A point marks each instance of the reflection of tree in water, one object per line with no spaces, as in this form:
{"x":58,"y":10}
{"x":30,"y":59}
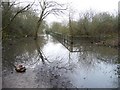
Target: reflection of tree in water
{"x":20,"y":51}
{"x":54,"y":75}
{"x":39,"y":51}
{"x":106,"y":54}
{"x":87,"y":60}
{"x":85,"y":57}
{"x":102,"y":52}
{"x":90,"y":55}
{"x":118,"y":72}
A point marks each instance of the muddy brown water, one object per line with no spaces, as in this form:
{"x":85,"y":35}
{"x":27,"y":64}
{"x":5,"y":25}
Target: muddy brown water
{"x":92,"y":67}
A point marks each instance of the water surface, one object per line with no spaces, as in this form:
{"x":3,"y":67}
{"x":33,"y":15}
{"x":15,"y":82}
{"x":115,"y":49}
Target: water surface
{"x":91,"y":67}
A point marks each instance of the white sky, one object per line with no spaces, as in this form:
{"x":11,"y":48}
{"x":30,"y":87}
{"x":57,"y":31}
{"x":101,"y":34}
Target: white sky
{"x":99,"y":5}
{"x":83,"y":5}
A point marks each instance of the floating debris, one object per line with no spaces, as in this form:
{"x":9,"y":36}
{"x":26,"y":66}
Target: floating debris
{"x":20,"y":68}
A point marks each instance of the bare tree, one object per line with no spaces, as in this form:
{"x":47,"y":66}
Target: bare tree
{"x":46,"y":8}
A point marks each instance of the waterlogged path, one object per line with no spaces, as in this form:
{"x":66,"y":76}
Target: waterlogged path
{"x":93,"y":67}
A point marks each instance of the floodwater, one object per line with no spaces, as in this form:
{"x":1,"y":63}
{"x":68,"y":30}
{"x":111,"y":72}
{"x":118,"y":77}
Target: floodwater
{"x":91,"y":67}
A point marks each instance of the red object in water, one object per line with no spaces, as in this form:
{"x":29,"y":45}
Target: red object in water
{"x":20,"y":68}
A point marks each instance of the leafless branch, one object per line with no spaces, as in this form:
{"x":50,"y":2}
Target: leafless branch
{"x":48,"y":7}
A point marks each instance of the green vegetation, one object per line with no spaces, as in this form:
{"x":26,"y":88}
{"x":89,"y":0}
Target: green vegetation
{"x":17,"y":22}
{"x":59,"y":28}
{"x":103,"y":26}
{"x":24,"y":22}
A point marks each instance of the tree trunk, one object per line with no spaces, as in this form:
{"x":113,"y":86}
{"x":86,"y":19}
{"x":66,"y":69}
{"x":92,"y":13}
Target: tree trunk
{"x":36,"y":31}
{"x":36,"y":36}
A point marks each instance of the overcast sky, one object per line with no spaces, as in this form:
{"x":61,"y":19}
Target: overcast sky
{"x":83,"y":5}
{"x":96,"y":5}
{"x":99,"y":5}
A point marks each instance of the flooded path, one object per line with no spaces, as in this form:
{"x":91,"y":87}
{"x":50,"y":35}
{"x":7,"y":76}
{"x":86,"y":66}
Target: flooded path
{"x":93,"y":67}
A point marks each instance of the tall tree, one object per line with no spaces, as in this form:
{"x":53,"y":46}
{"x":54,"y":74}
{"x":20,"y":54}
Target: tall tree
{"x":46,"y":8}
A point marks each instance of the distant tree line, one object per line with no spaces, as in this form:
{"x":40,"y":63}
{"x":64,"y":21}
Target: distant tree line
{"x":90,"y":24}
